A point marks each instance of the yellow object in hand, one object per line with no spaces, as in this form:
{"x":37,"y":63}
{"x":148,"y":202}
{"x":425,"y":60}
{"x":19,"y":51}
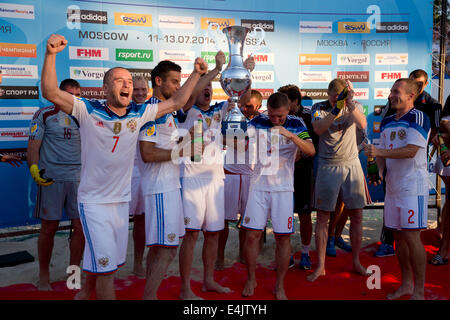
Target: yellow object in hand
{"x":341,"y":98}
{"x":38,"y":176}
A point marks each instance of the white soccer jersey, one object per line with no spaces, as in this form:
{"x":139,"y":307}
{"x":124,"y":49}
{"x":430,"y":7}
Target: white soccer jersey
{"x":160,"y":177}
{"x":108,"y":147}
{"x":274,"y":155}
{"x":406,"y":177}
{"x":211,"y":165}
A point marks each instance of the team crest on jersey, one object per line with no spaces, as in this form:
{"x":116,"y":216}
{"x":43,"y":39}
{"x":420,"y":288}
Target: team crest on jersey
{"x":187,"y":221}
{"x":34,"y":128}
{"x":103,"y":262}
{"x":150,"y":131}
{"x":117,"y":127}
{"x":217,"y":117}
{"x":171,"y":237}
{"x":132,"y":125}
{"x":208,"y":121}
{"x":402,"y":134}
{"x":67,"y":121}
{"x":393,"y":134}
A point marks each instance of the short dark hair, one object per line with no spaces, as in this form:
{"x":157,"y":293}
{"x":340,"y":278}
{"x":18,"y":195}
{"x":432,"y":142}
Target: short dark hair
{"x":68,"y":83}
{"x":277,"y":100}
{"x":419,"y":73}
{"x":108,"y":74}
{"x":162,"y":69}
{"x":257,"y":95}
{"x":293,"y":92}
{"x":411,"y":86}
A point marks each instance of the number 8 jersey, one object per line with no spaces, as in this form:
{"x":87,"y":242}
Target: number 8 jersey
{"x":108,"y":147}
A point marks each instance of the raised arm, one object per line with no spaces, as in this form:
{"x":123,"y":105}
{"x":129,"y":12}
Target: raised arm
{"x":49,"y":82}
{"x":181,"y":96}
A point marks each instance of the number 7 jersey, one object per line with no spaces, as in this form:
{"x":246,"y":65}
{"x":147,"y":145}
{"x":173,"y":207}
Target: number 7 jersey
{"x":108,"y":147}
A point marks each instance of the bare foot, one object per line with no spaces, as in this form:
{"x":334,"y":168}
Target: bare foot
{"x":313,"y":276}
{"x":214,"y":286}
{"x":280,"y":294}
{"x":401,"y":291}
{"x":417,"y":296}
{"x":249,"y":288}
{"x":189,"y":295}
{"x":358,"y":268}
{"x":139,"y":271}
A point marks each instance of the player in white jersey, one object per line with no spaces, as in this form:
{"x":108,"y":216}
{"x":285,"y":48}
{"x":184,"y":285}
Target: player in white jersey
{"x":137,"y":208}
{"x":161,"y":174}
{"x":237,"y":184}
{"x":281,"y":139}
{"x":109,"y":132}
{"x":402,"y":152}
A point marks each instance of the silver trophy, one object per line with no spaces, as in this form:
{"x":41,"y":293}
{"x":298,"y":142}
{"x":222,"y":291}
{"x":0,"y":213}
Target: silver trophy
{"x":235,"y":79}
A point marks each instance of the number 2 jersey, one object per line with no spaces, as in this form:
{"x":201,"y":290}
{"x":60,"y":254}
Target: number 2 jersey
{"x":406,"y":177}
{"x":108,"y":147}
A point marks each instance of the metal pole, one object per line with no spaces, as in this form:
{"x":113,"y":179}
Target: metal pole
{"x":443,"y":52}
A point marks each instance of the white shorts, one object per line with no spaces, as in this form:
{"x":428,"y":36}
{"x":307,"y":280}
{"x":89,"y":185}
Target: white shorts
{"x":203,"y":204}
{"x":164,"y":220}
{"x":236,"y":195}
{"x":410,"y":212}
{"x":278,"y":206}
{"x":105,"y":228}
{"x":137,"y":203}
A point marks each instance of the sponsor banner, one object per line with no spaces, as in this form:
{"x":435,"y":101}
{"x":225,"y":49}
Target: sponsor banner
{"x":315,"y":59}
{"x":102,"y":35}
{"x":140,"y":55}
{"x":14,"y":134}
{"x":262,"y":58}
{"x":332,"y":43}
{"x":361,"y":93}
{"x":391,"y":58}
{"x":265,"y":93}
{"x":176,"y":22}
{"x":353,"y":59}
{"x":262,"y":76}
{"x":376,"y":126}
{"x":87,"y":73}
{"x":210,"y":56}
{"x":381,"y":93}
{"x":315,"y":94}
{"x":316,"y":27}
{"x":92,"y":92}
{"x":390,"y":76}
{"x":219,"y":94}
{"x":392,"y":27}
{"x":266,"y":25}
{"x":18,"y":71}
{"x":5,"y":28}
{"x":22,"y":50}
{"x":87,"y":16}
{"x":178,"y":56}
{"x":353,"y":27}
{"x":19,"y":92}
{"x":18,"y":11}
{"x":132,"y":19}
{"x":146,"y":73}
{"x":354,"y":76}
{"x":222,"y":22}
{"x":315,"y":76}
{"x":17,"y":113}
{"x":88,"y":53}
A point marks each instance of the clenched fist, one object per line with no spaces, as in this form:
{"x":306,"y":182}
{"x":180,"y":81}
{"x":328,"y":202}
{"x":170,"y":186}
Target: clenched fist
{"x":200,"y":66}
{"x":56,"y":43}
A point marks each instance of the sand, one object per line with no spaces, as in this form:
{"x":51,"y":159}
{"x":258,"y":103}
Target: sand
{"x":28,"y":272}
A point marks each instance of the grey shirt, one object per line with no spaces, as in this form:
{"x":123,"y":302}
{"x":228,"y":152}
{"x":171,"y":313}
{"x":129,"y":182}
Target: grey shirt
{"x":338,"y":144}
{"x":60,"y":152}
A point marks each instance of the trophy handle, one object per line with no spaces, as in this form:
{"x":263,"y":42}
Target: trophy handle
{"x":260,"y":40}
{"x":213,"y":33}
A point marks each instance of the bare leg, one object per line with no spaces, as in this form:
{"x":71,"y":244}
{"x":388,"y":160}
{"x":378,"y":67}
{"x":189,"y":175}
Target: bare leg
{"x":223,"y":237}
{"x":418,"y":258}
{"x":334,"y":218}
{"x":305,"y":228}
{"x":251,"y":251}
{"x":356,"y":239}
{"x":185,"y":262}
{"x":321,"y":244}
{"x":139,"y":244}
{"x":241,"y":245}
{"x":282,"y":253}
{"x":76,"y":243}
{"x":342,"y":221}
{"x":209,"y":256}
{"x":105,"y":287}
{"x":45,"y":248}
{"x":87,"y":287}
{"x":402,"y":253}
{"x":445,"y":223}
{"x":158,"y":260}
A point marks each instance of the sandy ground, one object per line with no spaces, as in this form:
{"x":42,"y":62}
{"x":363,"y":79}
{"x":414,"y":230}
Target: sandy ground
{"x":28,"y":272}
